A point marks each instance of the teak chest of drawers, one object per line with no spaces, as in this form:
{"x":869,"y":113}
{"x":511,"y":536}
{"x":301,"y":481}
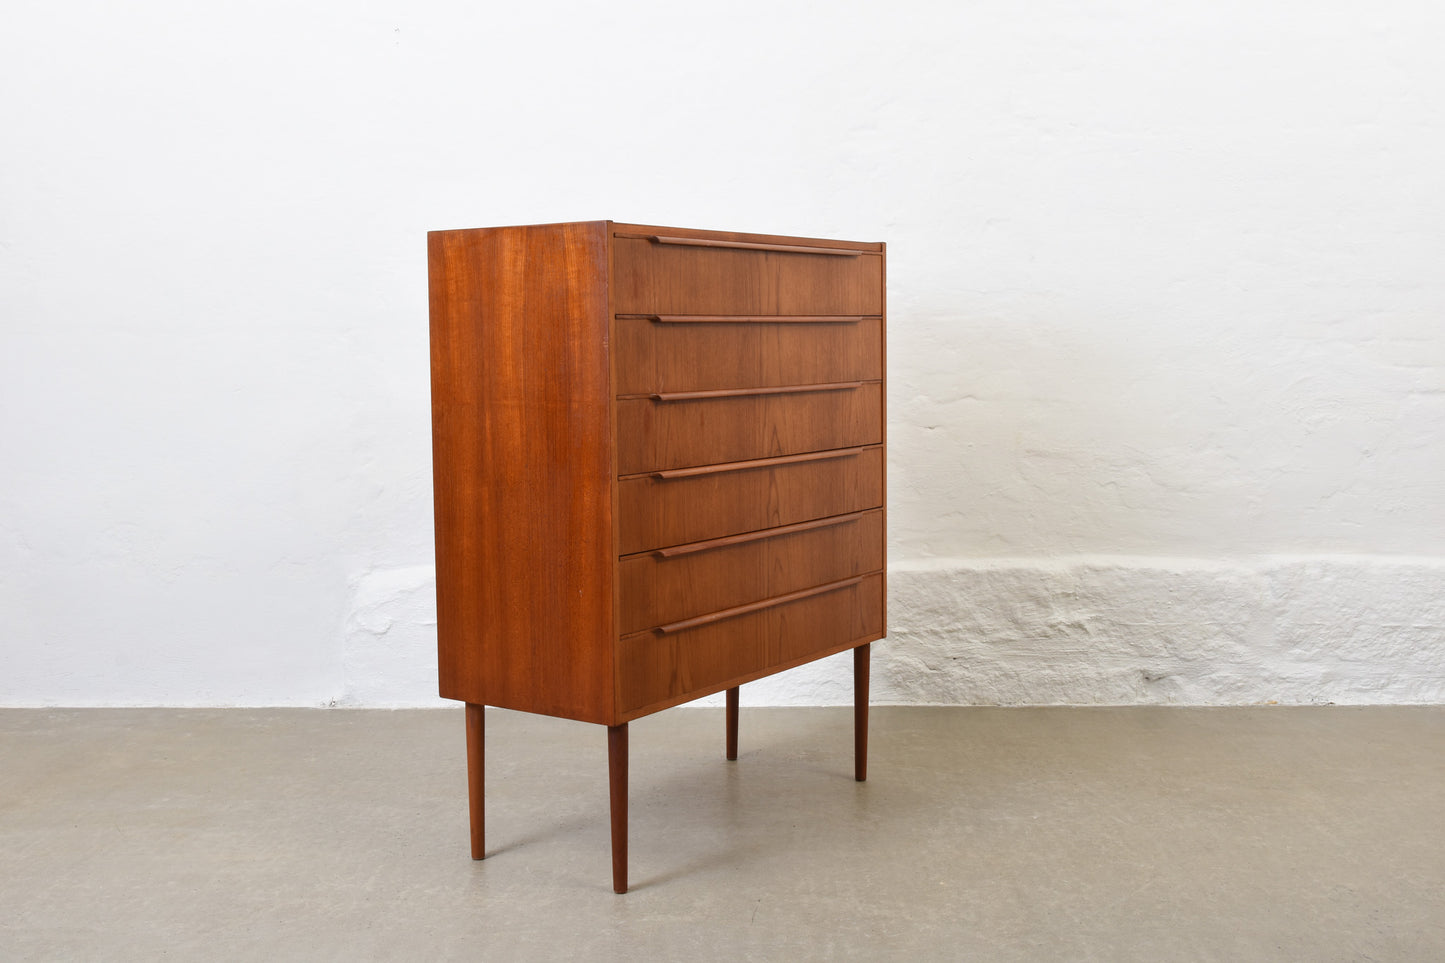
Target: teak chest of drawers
{"x":659,"y":471}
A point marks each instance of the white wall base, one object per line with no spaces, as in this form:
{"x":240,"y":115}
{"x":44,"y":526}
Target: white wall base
{"x":1084,"y":631}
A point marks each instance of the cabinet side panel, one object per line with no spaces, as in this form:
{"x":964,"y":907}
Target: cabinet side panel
{"x":883,"y":415}
{"x":521,"y":439}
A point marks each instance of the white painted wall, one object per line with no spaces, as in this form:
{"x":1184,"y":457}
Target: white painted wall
{"x":1167,"y":323}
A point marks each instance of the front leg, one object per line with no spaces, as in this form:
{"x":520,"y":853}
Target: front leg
{"x":860,"y":712}
{"x":476,"y":740}
{"x":617,"y":790}
{"x":732,"y":723}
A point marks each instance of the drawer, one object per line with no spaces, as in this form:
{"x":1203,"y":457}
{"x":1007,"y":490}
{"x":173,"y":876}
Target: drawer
{"x":691,"y":505}
{"x":678,"y":277}
{"x":690,"y":660}
{"x":685,"y":429}
{"x":674,"y":355}
{"x":680,"y":583}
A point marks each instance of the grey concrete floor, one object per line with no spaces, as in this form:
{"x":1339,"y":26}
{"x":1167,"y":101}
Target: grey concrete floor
{"x":987,"y":834}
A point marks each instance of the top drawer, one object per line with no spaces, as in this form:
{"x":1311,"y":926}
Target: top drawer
{"x":659,"y":277}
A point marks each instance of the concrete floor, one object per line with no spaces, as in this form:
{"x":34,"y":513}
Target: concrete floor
{"x":989,"y":834}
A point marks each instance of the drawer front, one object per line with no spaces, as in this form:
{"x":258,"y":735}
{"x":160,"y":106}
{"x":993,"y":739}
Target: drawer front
{"x":674,"y":666}
{"x":660,"y":512}
{"x":676,"y":584}
{"x":681,"y":431}
{"x":659,"y":278}
{"x":689,"y":356}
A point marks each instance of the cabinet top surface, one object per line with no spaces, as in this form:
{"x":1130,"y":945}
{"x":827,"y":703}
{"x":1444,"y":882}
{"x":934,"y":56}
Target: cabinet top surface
{"x":652,"y":230}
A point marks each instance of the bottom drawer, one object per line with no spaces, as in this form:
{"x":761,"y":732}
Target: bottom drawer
{"x":690,"y":659}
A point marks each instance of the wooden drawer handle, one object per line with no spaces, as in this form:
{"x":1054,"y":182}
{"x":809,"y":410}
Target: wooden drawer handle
{"x":712,"y":543}
{"x":758,"y":463}
{"x":747,"y":245}
{"x":734,"y":612}
{"x":755,"y":318}
{"x":747,"y":392}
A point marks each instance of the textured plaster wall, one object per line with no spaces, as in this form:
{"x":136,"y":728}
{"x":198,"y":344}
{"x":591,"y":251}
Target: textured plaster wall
{"x":1167,"y":323}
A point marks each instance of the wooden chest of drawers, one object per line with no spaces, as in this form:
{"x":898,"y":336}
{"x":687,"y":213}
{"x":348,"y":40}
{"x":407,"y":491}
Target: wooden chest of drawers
{"x":659,"y":471}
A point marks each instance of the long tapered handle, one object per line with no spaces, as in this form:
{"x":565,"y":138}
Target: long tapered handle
{"x":749,"y":392}
{"x":691,"y":548}
{"x":753,"y":318}
{"x":746,"y":245}
{"x":737,"y":610}
{"x":759,"y":463}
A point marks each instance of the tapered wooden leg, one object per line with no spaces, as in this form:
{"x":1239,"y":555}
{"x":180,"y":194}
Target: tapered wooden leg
{"x":475,"y":751}
{"x":617,"y":785}
{"x":733,"y":723}
{"x":860,"y":712}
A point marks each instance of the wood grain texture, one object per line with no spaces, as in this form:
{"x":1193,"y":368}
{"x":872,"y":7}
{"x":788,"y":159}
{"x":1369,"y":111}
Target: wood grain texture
{"x":655,"y":513}
{"x":655,"y":435}
{"x":522,"y":466}
{"x":658,"y":590}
